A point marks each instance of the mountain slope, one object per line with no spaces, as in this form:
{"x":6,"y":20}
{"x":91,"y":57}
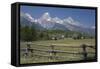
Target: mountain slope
{"x":47,"y":22}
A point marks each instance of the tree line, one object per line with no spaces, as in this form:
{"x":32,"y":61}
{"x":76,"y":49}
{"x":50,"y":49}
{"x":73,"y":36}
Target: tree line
{"x":31,"y":34}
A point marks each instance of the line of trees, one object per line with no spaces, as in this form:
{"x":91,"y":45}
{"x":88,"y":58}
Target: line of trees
{"x":28,"y":34}
{"x":31,"y":34}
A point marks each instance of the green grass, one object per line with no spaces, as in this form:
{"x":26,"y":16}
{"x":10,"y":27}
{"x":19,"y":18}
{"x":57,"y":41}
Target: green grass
{"x":59,"y":45}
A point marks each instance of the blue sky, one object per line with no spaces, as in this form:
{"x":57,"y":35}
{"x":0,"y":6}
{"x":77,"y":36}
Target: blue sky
{"x":84,"y":16}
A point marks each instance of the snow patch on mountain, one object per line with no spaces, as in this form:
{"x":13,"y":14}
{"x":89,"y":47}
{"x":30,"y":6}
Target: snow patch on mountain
{"x":48,"y":22}
{"x":57,"y":20}
{"x":71,"y":21}
{"x":27,"y":16}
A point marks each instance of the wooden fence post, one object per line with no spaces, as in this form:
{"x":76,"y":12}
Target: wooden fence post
{"x":84,"y":51}
{"x":53,"y":53}
{"x":30,"y":50}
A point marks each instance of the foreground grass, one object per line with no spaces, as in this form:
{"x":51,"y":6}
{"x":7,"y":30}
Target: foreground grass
{"x":65,"y":42}
{"x":59,"y":45}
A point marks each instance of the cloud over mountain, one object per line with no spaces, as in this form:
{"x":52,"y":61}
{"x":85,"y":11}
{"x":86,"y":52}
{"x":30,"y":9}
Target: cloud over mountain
{"x":93,"y":27}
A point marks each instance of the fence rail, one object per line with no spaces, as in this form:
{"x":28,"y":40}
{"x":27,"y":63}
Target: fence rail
{"x":52,"y":53}
{"x":90,"y":46}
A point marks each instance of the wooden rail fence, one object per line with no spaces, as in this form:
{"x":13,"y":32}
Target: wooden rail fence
{"x":52,"y":53}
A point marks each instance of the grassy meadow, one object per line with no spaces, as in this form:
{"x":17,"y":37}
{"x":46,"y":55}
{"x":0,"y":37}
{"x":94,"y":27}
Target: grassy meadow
{"x":60,"y":45}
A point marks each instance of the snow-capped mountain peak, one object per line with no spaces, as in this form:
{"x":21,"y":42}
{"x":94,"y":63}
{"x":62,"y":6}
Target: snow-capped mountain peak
{"x":47,"y":22}
{"x":27,"y":16}
{"x":57,"y":20}
{"x":46,"y":16}
{"x":71,"y":21}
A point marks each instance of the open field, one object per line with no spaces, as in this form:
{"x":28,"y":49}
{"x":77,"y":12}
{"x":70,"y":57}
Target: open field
{"x":42,"y":50}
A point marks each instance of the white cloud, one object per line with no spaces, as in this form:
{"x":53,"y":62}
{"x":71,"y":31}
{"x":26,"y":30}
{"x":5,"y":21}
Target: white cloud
{"x":93,"y":27}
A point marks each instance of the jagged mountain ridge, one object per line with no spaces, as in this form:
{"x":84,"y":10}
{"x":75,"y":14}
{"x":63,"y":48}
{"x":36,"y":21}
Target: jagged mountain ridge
{"x":48,"y":22}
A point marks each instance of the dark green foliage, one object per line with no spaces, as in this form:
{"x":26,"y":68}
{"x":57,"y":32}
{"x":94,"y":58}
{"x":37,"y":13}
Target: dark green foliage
{"x":31,"y":34}
{"x":28,"y":34}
